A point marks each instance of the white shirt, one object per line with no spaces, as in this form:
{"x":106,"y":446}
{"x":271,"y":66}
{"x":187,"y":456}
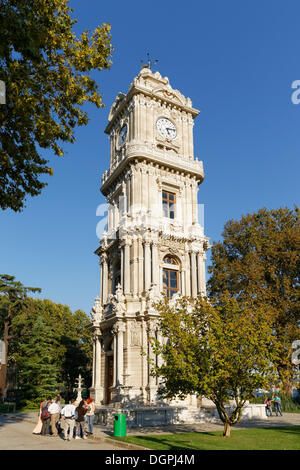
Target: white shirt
{"x":68,"y":411}
{"x":54,"y":408}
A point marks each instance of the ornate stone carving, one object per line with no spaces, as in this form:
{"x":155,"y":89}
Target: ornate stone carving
{"x":97,"y":311}
{"x":135,"y":334}
{"x":118,"y":301}
{"x":153,"y":296}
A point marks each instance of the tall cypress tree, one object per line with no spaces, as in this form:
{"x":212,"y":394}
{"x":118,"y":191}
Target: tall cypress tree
{"x":35,"y":360}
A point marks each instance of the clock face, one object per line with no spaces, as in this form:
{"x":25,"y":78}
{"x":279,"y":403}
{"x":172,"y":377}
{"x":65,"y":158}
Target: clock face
{"x":166,"y":128}
{"x":122,"y":135}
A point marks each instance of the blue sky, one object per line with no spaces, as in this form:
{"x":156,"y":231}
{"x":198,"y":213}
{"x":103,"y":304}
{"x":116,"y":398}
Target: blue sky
{"x":236,"y":61}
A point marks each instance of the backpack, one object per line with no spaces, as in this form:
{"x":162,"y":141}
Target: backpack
{"x":45,"y":412}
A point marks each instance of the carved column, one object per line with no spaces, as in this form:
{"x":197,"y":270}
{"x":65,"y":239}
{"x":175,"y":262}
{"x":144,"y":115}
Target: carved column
{"x":144,"y":371}
{"x":104,"y":277}
{"x":120,"y":353}
{"x":114,"y":332}
{"x":188,"y":275}
{"x":97,"y":387}
{"x":134,"y":267}
{"x":147,"y":264}
{"x":126,"y":285}
{"x":194,"y":274}
{"x":154,"y":264}
{"x":98,"y":362}
{"x":140,"y":266}
{"x":151,"y":388}
{"x":94,"y":361}
{"x":199,"y":267}
{"x":202,"y":273}
{"x":122,"y":267}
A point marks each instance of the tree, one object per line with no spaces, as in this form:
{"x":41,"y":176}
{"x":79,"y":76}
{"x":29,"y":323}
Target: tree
{"x":37,"y":369}
{"x":258,"y":262}
{"x":47,"y":71}
{"x":214,"y":349}
{"x":71,"y":340}
{"x":13,"y":300}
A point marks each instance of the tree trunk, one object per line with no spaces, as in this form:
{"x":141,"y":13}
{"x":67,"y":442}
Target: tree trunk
{"x":287,"y":387}
{"x":226,"y":432}
{"x":3,"y":370}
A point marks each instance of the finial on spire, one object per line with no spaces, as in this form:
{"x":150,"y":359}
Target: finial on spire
{"x":149,"y":62}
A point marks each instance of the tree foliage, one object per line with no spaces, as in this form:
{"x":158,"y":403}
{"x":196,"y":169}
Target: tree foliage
{"x":48,"y":344}
{"x":70,"y":348}
{"x":258,"y":262}
{"x":13,"y":300}
{"x":37,"y":368}
{"x":47,"y":71}
{"x":216,"y":349}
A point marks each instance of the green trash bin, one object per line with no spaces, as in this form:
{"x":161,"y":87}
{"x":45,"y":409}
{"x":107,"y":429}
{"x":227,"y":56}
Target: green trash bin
{"x":120,"y":425}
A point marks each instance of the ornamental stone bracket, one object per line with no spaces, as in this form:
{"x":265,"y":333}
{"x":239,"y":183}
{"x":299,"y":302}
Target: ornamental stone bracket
{"x":97,"y":312}
{"x":153,"y":296}
{"x":115,"y":305}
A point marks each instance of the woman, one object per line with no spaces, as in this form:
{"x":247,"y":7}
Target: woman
{"x":268,"y":403}
{"x":38,"y":428}
{"x":90,"y":415}
{"x":80,"y":414}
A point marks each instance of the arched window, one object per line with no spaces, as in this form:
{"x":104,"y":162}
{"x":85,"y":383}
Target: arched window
{"x":170,"y":276}
{"x":170,"y":260}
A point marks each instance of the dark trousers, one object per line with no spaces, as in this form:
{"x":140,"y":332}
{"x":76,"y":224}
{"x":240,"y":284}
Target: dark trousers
{"x":45,"y":427}
{"x":268,"y":410}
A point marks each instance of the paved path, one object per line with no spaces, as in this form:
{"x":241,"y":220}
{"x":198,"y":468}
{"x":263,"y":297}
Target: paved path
{"x":17,"y":435}
{"x":102,"y":432}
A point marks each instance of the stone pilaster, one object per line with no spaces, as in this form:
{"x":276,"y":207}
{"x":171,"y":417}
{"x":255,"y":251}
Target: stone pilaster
{"x":126,"y":268}
{"x":97,"y":391}
{"x":194,"y":274}
{"x":104,"y":277}
{"x":147,"y":264}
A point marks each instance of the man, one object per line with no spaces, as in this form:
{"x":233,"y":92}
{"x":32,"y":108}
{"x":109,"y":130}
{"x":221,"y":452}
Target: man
{"x":277,"y":405}
{"x":54,"y":410}
{"x":45,"y":416}
{"x":68,"y":415}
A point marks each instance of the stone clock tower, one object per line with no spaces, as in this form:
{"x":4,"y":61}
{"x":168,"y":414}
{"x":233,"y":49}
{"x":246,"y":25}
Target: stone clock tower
{"x":153,"y":243}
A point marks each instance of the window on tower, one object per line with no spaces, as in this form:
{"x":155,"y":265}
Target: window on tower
{"x":170,"y":276}
{"x":168,"y":202}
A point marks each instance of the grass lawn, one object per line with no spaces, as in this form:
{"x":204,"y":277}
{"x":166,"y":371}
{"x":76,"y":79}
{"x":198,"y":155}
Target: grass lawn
{"x":281,"y":438}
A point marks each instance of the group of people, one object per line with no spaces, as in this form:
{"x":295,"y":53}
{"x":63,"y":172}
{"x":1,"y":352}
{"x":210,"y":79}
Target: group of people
{"x":65,"y":419}
{"x":277,"y":405}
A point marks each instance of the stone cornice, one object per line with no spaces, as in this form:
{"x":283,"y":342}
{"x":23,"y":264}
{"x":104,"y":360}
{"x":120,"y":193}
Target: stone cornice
{"x":138,"y":151}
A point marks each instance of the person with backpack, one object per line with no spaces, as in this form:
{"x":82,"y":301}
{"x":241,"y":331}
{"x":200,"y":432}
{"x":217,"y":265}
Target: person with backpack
{"x":45,"y":415}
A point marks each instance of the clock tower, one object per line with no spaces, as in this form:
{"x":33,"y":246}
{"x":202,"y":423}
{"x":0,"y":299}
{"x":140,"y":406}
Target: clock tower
{"x":153,"y":242}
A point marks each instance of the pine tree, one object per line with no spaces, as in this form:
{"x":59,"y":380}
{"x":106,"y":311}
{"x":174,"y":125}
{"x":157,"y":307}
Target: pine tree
{"x":35,"y":360}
